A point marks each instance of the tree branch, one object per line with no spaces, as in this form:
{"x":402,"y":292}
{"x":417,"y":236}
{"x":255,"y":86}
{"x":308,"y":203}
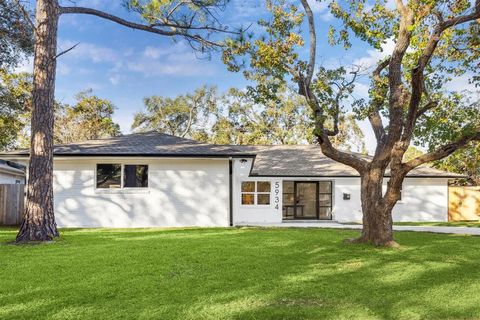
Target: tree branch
{"x":417,"y":81}
{"x":374,"y":116}
{"x":25,"y":14}
{"x":138,"y":26}
{"x":65,"y":51}
{"x":313,"y":41}
{"x":442,"y":152}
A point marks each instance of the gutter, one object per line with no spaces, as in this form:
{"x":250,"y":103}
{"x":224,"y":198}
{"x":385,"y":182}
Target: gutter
{"x":230,"y":191}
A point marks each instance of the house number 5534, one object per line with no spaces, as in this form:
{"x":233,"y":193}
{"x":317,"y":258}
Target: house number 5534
{"x":276,"y":199}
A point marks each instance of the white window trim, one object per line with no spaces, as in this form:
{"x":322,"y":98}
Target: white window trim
{"x":122,"y":189}
{"x":255,"y":195}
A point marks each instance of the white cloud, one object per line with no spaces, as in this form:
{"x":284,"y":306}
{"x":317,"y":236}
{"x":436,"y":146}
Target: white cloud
{"x":114,"y":79}
{"x":25,"y":66}
{"x":318,"y":6}
{"x":174,"y":60}
{"x":88,"y":51}
{"x":462,"y":84}
{"x":374,"y":56}
{"x":361,"y":90}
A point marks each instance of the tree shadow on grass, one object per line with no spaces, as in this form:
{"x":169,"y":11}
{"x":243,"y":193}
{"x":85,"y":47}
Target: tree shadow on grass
{"x":242,"y":274}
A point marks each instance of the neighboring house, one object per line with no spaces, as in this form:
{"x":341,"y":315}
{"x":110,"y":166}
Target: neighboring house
{"x":153,"y":179}
{"x":11,"y":173}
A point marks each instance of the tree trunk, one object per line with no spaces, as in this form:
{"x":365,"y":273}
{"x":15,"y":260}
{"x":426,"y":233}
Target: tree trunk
{"x":39,"y":221}
{"x":377,"y":211}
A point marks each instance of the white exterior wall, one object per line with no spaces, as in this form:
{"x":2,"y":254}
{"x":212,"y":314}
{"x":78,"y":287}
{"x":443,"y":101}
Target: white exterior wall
{"x":423,"y":199}
{"x":181,"y":192}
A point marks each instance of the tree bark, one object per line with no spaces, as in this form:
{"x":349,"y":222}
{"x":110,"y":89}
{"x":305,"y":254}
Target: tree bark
{"x":39,"y":221}
{"x":377,"y":211}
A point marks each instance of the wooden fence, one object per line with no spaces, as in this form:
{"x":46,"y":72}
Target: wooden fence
{"x":11,"y":203}
{"x":463,"y":203}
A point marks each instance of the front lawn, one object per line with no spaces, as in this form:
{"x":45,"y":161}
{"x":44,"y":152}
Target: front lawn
{"x":246,"y":273}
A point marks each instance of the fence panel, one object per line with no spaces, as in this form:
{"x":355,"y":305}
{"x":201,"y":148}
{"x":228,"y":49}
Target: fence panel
{"x":463,"y":203}
{"x":11,"y":204}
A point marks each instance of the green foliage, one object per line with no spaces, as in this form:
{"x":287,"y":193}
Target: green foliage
{"x":89,"y":118}
{"x":236,"y":118}
{"x":411,"y":153}
{"x":15,"y":106}
{"x":271,"y":56}
{"x":16,"y":34}
{"x":373,"y":23}
{"x":194,"y":21}
{"x":465,"y":161}
{"x":283,"y":120}
{"x":184,"y":116}
{"x":453,"y":118}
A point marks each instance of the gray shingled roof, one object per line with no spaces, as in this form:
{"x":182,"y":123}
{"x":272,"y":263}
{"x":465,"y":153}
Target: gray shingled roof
{"x":141,"y":144}
{"x":308,"y":160}
{"x":286,"y":160}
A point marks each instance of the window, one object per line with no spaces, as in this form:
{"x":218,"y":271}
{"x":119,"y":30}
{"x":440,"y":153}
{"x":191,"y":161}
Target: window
{"x":109,"y":176}
{"x":255,"y":192}
{"x":135,"y":176}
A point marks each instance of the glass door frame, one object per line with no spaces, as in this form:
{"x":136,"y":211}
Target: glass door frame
{"x":317,"y":201}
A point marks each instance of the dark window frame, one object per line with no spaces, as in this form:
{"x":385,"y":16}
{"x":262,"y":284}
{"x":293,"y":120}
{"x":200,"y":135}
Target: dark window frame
{"x":122,"y":176}
{"x":285,"y":207}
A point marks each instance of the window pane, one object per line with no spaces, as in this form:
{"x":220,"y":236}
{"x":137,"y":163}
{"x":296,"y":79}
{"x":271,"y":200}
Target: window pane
{"x":248,"y":186}
{"x":263,"y":199}
{"x":287,"y":186}
{"x":325,"y":200}
{"x":109,"y":175}
{"x":248,"y":198}
{"x":263,"y":186}
{"x":288,"y":199}
{"x":325,"y":187}
{"x":135,"y":176}
{"x":325,"y":213}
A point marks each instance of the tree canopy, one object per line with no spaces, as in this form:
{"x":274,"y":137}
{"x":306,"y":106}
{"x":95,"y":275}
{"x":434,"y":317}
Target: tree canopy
{"x":16,"y":33}
{"x":89,"y":118}
{"x":234,"y":117}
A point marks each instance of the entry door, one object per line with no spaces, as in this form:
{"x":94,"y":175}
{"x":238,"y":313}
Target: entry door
{"x":306,"y":200}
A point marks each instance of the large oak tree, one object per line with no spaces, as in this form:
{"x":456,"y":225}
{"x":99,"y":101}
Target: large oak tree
{"x":434,"y":42}
{"x":194,"y":21}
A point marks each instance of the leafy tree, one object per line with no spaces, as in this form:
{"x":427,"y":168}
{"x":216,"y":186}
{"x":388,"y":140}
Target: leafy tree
{"x":195,"y":22}
{"x":16,"y":34}
{"x":283,"y":120}
{"x":90,"y":118}
{"x":444,"y":125}
{"x":235,"y":118}
{"x":465,"y":161}
{"x":15,"y":106}
{"x":183,"y":116}
{"x":435,"y":41}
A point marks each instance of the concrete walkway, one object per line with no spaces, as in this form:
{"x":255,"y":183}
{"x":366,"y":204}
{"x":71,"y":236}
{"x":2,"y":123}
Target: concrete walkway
{"x":333,"y":225}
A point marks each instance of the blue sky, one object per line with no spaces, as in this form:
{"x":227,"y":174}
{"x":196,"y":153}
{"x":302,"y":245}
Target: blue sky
{"x":125,"y":65}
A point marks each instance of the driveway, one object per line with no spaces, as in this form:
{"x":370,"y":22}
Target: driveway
{"x":333,"y":225}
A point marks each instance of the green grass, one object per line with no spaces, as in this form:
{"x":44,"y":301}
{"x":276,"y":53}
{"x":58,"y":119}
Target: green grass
{"x":246,"y":273}
{"x":471,"y":224}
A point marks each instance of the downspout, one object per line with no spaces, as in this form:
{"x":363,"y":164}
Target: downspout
{"x":230,"y":190}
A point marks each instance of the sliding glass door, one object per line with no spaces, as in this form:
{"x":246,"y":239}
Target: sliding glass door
{"x":307,"y":200}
